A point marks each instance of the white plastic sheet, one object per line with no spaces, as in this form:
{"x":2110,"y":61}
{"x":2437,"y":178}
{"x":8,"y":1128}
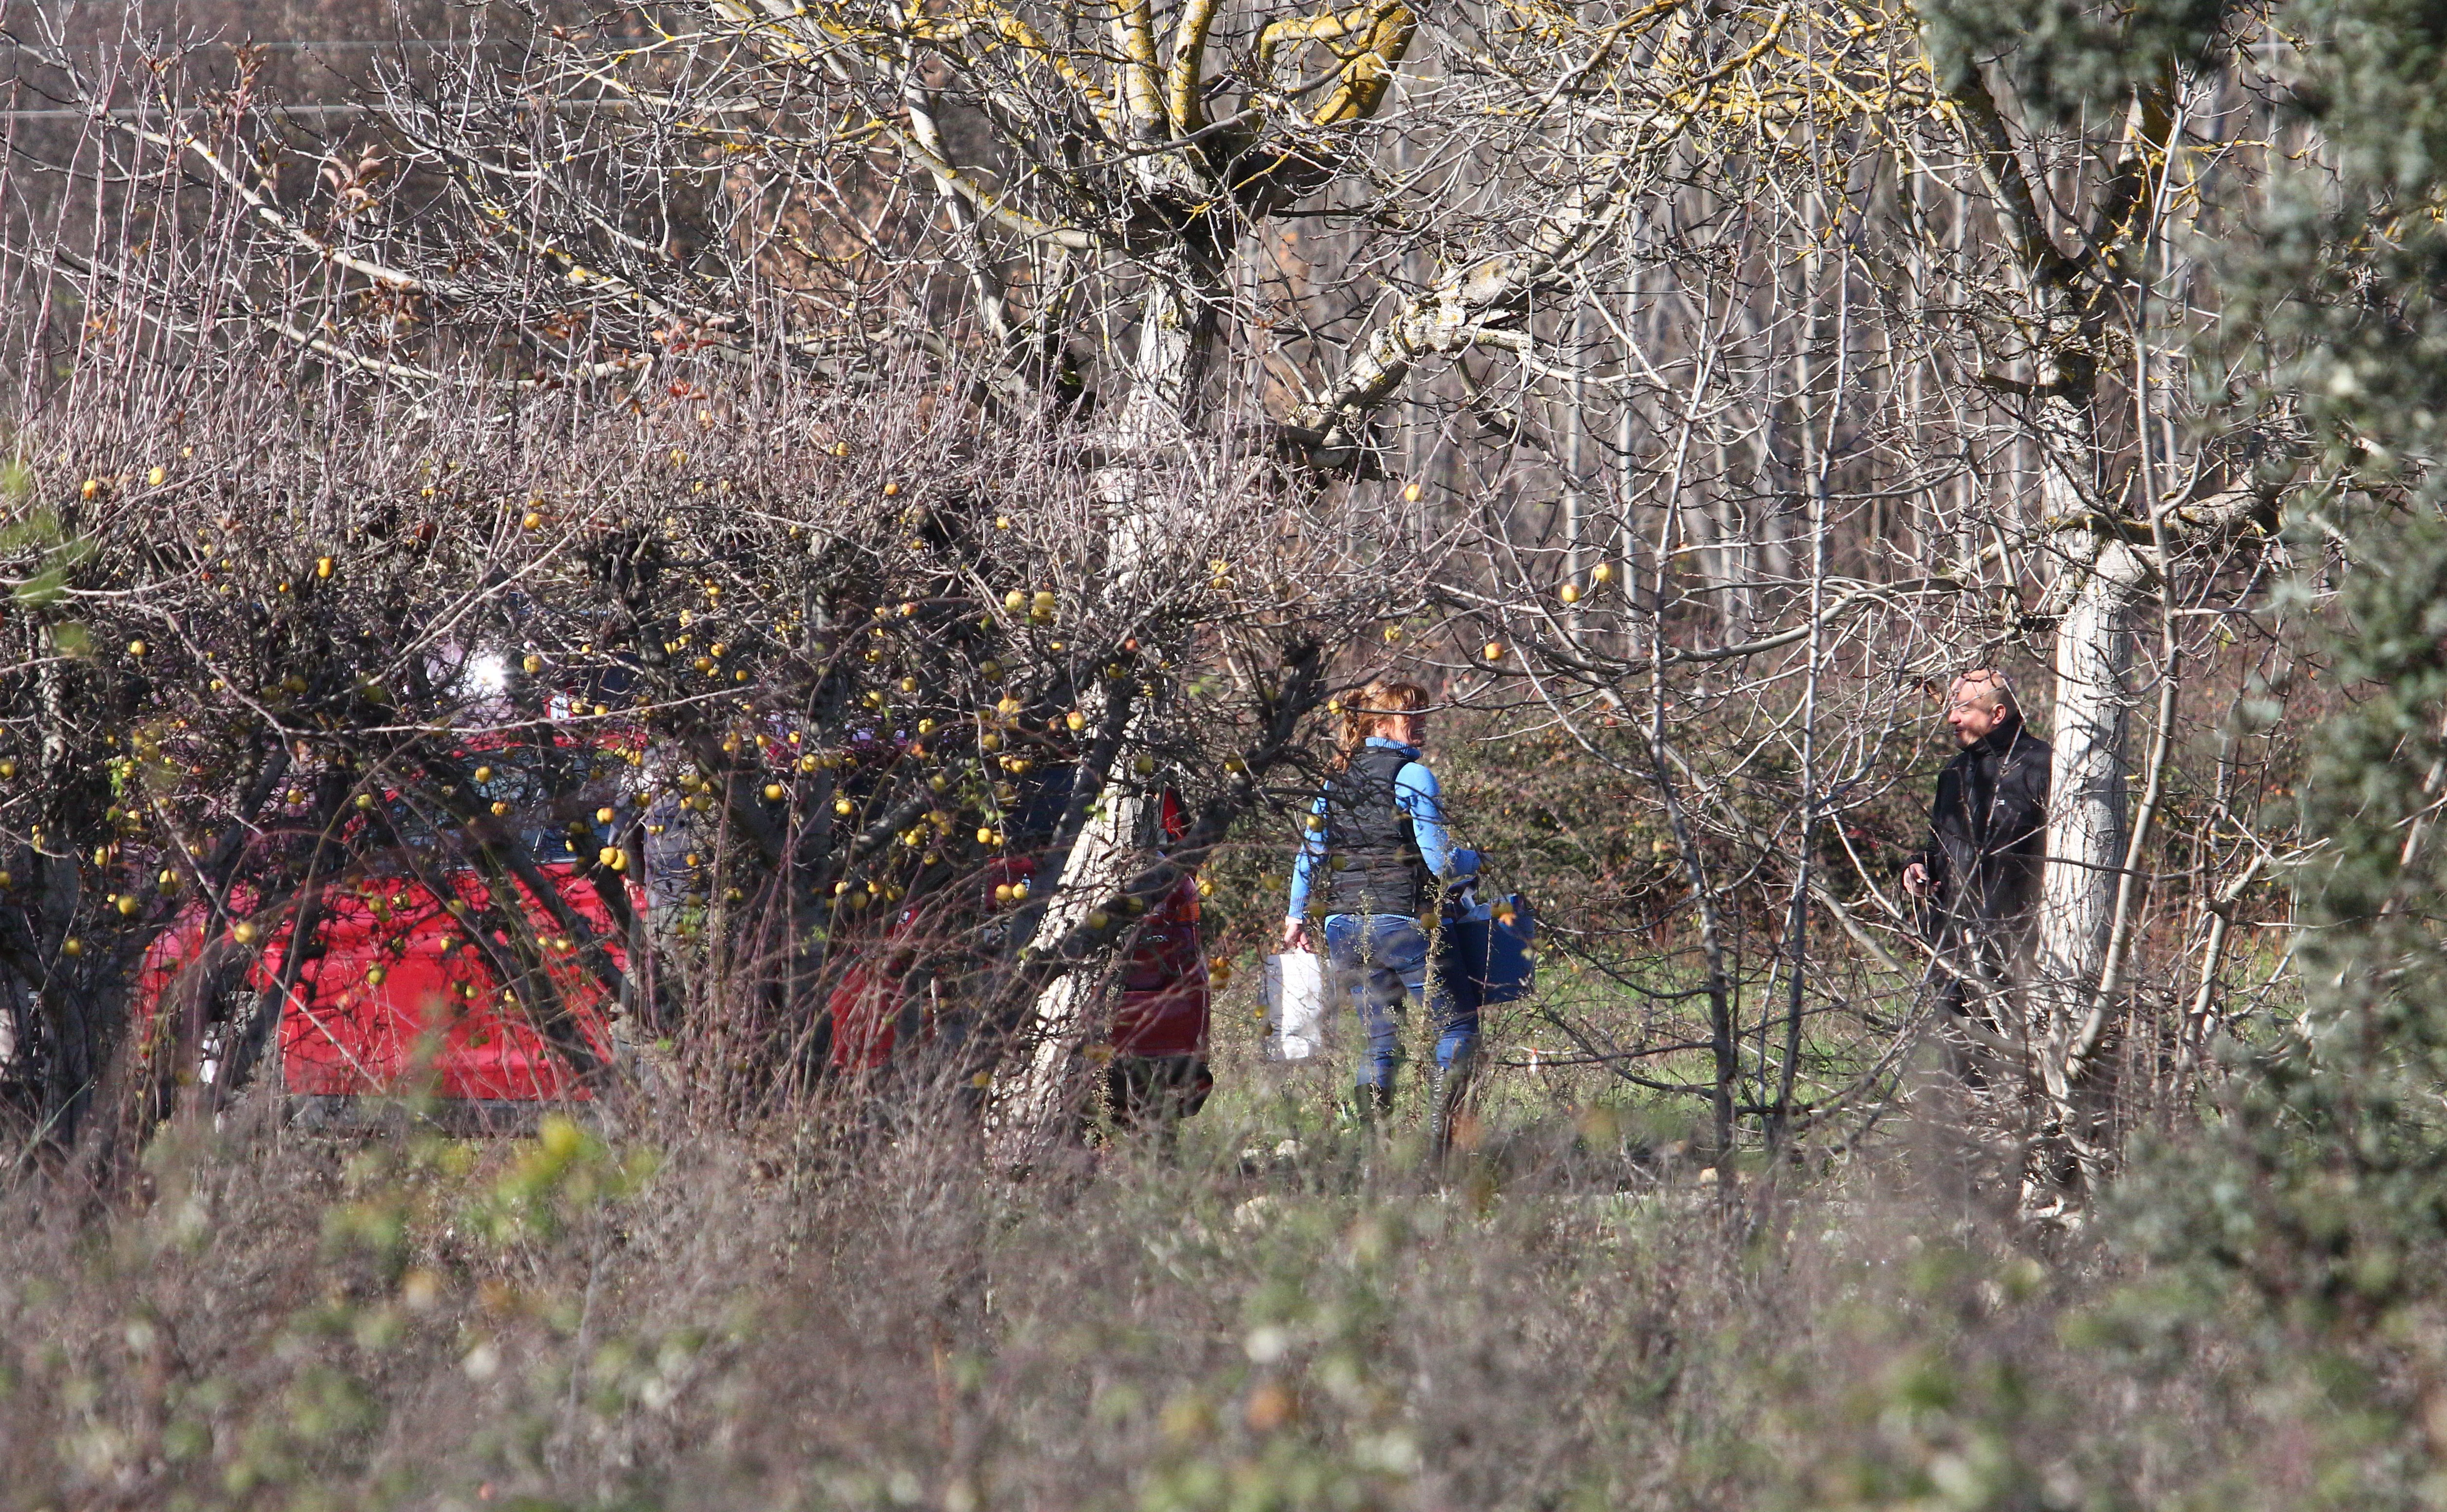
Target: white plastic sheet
{"x":1295,"y":1006}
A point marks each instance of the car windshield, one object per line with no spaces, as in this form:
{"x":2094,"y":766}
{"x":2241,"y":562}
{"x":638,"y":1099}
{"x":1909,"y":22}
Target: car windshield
{"x":539,"y":790}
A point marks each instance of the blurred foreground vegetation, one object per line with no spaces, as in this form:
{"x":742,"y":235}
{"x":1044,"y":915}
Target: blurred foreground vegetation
{"x":1264,"y":1312}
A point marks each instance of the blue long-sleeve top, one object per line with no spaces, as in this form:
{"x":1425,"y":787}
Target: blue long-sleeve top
{"x":1415,"y":794}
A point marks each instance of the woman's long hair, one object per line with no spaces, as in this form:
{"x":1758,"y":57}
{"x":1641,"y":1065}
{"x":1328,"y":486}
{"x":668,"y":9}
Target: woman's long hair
{"x":1364,"y":714}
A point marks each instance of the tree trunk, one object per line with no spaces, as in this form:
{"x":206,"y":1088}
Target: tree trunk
{"x":2085,"y":849}
{"x":1033,"y":1100}
{"x":2095,"y":590}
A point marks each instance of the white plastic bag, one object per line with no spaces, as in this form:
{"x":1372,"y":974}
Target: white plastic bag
{"x":1295,"y":1006}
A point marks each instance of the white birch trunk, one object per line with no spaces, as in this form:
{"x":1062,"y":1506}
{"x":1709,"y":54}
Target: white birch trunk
{"x":2101,"y":579}
{"x":1033,"y":1102}
{"x":2086,"y":817}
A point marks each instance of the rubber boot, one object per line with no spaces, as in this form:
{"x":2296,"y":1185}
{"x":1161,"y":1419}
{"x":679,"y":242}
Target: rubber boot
{"x":1373,"y":1103}
{"x":1446,"y":1089}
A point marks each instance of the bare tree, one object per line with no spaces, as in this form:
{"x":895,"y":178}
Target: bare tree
{"x":1693,"y":381}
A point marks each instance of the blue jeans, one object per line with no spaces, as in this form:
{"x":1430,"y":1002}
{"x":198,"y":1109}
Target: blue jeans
{"x":1382,"y":961}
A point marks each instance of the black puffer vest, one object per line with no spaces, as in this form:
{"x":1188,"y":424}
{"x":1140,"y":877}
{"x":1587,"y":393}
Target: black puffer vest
{"x":1371,"y":852}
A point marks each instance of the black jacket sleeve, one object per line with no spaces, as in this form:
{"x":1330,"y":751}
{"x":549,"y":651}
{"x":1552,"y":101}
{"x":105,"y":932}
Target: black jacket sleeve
{"x":1948,"y":800}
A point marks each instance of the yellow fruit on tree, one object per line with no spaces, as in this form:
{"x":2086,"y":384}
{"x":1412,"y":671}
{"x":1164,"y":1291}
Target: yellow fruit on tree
{"x":243,"y":932}
{"x":772,"y":792}
{"x":156,"y":477}
{"x":1571,"y":592}
{"x":1494,"y":650}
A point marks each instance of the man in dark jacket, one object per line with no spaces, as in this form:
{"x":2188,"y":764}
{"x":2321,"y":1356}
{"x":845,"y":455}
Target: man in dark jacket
{"x":1988,"y":842}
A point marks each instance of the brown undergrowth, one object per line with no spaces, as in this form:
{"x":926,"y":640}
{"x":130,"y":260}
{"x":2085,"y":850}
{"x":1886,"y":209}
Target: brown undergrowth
{"x":1262,"y":1311}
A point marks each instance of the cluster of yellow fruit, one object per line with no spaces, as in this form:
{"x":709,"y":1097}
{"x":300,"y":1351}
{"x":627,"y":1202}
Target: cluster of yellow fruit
{"x":1038,"y":606}
{"x":1599,"y":576}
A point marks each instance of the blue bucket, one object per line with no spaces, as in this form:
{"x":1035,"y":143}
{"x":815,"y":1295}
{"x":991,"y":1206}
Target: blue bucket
{"x":1483,"y":960}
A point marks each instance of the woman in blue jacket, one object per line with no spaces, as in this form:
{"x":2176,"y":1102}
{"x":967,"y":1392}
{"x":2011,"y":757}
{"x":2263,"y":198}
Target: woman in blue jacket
{"x":1375,"y":861}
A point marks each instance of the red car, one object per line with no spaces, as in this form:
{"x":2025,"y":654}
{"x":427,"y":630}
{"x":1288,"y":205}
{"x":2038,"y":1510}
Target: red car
{"x":400,"y":996}
{"x":1161,"y":1011}
{"x":403,"y":998}
{"x":1154,"y":1046}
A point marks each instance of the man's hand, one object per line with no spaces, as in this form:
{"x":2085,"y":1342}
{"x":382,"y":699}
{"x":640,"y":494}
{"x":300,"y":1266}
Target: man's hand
{"x":1916,"y":879}
{"x":1296,"y":936}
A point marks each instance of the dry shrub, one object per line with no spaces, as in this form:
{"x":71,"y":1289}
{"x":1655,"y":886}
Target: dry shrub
{"x":802,"y":656}
{"x":1261,"y":1312}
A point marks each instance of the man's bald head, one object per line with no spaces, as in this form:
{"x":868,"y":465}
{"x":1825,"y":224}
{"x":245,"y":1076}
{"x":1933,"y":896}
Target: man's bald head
{"x":1981,"y":700}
